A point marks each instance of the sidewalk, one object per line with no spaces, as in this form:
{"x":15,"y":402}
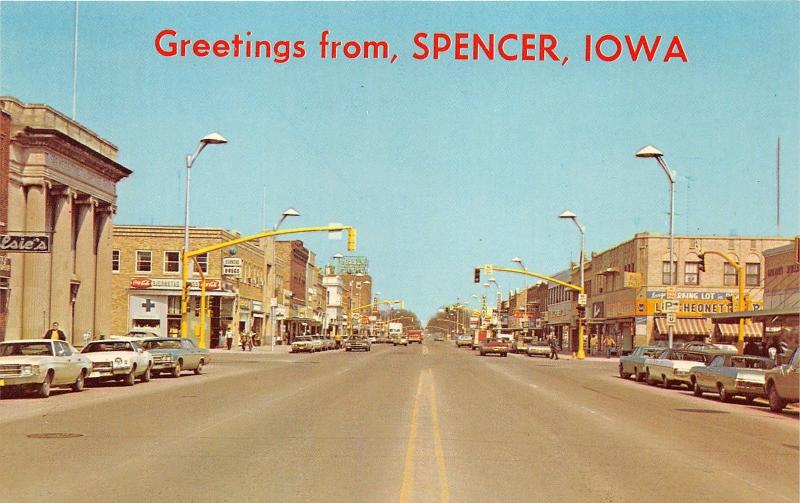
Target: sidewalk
{"x":594,"y":358}
{"x":280,"y":349}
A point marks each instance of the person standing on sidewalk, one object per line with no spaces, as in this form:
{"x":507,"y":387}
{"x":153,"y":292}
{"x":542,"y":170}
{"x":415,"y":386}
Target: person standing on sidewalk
{"x":553,"y":348}
{"x":229,"y":337}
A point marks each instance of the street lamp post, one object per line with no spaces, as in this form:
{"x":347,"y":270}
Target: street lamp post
{"x":651,"y":151}
{"x":209,"y":139}
{"x":581,"y":309}
{"x":288,"y":212}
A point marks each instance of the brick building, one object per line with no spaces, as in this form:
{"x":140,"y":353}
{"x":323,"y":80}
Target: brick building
{"x":146,"y":286}
{"x":58,"y":185}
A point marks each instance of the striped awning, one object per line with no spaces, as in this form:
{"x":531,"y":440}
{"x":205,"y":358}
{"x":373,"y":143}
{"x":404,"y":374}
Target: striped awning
{"x":755,"y":330}
{"x":685,"y":326}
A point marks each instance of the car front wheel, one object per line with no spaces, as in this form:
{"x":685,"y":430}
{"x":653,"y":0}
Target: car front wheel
{"x":199,"y":369}
{"x":130,"y":379}
{"x":622,"y":372}
{"x":665,"y":382}
{"x":724,"y":396}
{"x":697,"y":390}
{"x":79,"y":382}
{"x":147,"y":374}
{"x":44,"y":389}
{"x":176,"y":372}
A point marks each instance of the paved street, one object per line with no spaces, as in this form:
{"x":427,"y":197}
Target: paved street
{"x":418,"y":423}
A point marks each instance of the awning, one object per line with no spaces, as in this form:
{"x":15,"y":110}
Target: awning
{"x":755,"y":330}
{"x":684,"y":326}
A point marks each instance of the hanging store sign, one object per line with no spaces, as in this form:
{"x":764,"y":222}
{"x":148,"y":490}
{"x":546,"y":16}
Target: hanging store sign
{"x":232,"y":266}
{"x":24,"y":244}
{"x":172,"y":284}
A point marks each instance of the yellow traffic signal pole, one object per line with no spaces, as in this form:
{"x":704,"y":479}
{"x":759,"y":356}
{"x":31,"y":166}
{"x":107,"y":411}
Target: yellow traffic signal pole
{"x":189,"y":255}
{"x":741,"y":277}
{"x":580,"y":354}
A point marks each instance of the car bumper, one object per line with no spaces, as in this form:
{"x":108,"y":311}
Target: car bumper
{"x":21,"y":380}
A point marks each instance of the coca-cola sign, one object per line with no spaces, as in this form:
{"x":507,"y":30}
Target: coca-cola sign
{"x":24,"y":244}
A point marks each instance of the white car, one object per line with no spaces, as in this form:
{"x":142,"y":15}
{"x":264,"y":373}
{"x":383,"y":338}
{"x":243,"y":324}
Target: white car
{"x":302,"y":344}
{"x":673,"y":366}
{"x":119,"y":359}
{"x":41,"y":364}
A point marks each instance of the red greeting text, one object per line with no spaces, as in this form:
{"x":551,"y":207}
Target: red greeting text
{"x":474,"y":46}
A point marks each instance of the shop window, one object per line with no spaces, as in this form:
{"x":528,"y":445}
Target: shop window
{"x":752,"y":274}
{"x":172,"y":261}
{"x":115,"y":260}
{"x":665,"y":279}
{"x":691,"y":274}
{"x":144,"y":261}
{"x":174,"y":305}
{"x":730,"y":277}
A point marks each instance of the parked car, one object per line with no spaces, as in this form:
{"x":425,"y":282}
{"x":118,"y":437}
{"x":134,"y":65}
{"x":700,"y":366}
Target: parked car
{"x":400,"y":340}
{"x":782,"y":382}
{"x":118,"y":359}
{"x":142,"y":333}
{"x":174,"y":355}
{"x":672,"y":367}
{"x":494,"y":346}
{"x":41,"y":364}
{"x":520,"y":345}
{"x":302,"y":344}
{"x":356,"y":343}
{"x":463,"y":340}
{"x":732,"y":375}
{"x":327,"y":343}
{"x":633,"y":364}
{"x":317,"y":344}
{"x":538,"y":348}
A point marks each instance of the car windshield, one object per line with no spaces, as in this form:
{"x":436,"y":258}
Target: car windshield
{"x":102,"y":346}
{"x":162,"y":344}
{"x":26,"y":349}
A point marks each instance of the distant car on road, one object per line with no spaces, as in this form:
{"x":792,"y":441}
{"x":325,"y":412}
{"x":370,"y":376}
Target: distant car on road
{"x":40,"y":365}
{"x":782,"y":383}
{"x":302,"y":344}
{"x":464,"y":340}
{"x":400,"y":340}
{"x":538,"y":348}
{"x":494,"y":346}
{"x":118,"y":359}
{"x":731,"y":375}
{"x":174,"y":355}
{"x":357,"y":344}
{"x":633,"y":364}
{"x":438,"y":337}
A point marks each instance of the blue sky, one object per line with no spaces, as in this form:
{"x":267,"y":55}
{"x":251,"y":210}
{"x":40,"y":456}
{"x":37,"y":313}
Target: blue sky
{"x":440,"y":165}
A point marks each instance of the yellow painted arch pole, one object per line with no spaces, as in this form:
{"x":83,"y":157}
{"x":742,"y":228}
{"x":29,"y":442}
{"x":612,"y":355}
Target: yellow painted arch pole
{"x":581,"y":354}
{"x":351,"y":246}
{"x":740,"y":272}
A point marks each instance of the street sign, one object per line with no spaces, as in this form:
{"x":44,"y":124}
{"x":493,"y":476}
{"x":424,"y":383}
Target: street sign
{"x":672,"y":319}
{"x":581,"y":299}
{"x":670,"y":306}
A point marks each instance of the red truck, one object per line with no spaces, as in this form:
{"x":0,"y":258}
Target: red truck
{"x":414,"y":336}
{"x":494,"y":346}
{"x":478,"y":338}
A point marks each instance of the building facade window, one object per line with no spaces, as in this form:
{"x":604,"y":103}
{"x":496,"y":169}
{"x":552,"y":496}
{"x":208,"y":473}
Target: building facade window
{"x":115,"y":260}
{"x":202,"y":260}
{"x":691,"y":273}
{"x":144,"y":261}
{"x":172,"y":262}
{"x":752,"y":274}
{"x":730,"y":278}
{"x":665,"y":279}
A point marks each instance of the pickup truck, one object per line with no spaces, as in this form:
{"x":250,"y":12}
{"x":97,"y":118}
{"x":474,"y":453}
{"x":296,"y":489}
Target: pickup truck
{"x":494,"y":346}
{"x":782,"y":383}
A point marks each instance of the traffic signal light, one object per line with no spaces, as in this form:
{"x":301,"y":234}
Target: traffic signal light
{"x":351,"y":239}
{"x":701,"y":266}
{"x":477,"y":275}
{"x":730,"y":303}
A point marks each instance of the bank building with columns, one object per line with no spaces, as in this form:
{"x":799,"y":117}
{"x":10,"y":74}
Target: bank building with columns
{"x":58,"y":184}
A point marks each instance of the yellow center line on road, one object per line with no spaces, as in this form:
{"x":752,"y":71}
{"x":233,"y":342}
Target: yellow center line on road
{"x":444,"y":490}
{"x":408,"y":470}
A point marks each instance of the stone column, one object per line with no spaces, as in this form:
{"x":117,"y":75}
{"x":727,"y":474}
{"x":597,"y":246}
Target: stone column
{"x":85,"y":267}
{"x":35,"y":291}
{"x":103,"y":275}
{"x":62,"y":264}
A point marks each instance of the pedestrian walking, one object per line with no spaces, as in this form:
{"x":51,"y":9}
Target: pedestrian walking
{"x":245,"y":341}
{"x":553,"y":349}
{"x":610,"y":345}
{"x":229,"y":338}
{"x":255,"y":337}
{"x":55,"y":333}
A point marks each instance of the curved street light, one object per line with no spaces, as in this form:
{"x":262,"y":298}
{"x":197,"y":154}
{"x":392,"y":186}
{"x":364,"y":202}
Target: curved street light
{"x":209,"y":139}
{"x":572,"y":216}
